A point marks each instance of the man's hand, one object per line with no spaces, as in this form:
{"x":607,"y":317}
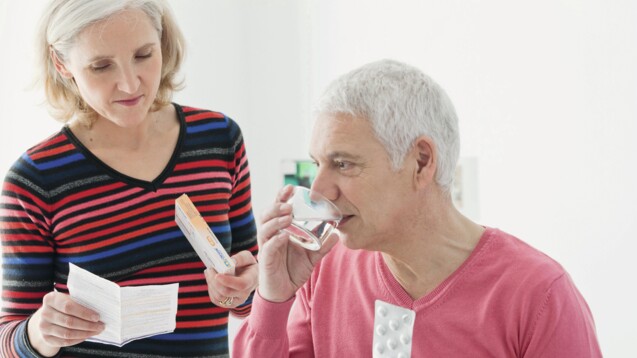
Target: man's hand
{"x":283,"y":266}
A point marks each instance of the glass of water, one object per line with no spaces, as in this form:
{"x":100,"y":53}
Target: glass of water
{"x":313,"y":218}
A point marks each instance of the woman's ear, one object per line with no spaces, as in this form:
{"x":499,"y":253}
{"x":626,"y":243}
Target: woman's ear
{"x":59,"y":65}
{"x":424,"y":154}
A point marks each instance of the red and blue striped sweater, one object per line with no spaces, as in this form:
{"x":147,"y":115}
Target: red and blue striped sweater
{"x":61,"y":204}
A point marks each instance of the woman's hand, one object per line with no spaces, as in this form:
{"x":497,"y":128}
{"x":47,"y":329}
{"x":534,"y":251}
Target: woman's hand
{"x":284,"y":267}
{"x":61,"y":322}
{"x":230,"y":291}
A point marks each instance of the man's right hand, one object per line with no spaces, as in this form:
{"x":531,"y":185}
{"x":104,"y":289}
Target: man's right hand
{"x":61,"y":322}
{"x":283,"y":266}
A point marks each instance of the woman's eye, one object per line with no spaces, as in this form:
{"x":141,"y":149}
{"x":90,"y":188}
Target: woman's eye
{"x":99,"y":67}
{"x":143,"y":56}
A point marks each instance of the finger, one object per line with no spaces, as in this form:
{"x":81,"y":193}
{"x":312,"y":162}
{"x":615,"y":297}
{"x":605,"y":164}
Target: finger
{"x":243,"y":258}
{"x":72,"y":334}
{"x":64,"y":304}
{"x":210,"y":275}
{"x":275,"y":247}
{"x":233,"y":303}
{"x":211,"y":280}
{"x":219,"y":291}
{"x":327,"y":246}
{"x":61,"y":342}
{"x":216,"y":291}
{"x":274,"y":211}
{"x":57,"y":318}
{"x":282,"y":197}
{"x":273,"y":227}
{"x":285,"y":193}
{"x":245,"y":281}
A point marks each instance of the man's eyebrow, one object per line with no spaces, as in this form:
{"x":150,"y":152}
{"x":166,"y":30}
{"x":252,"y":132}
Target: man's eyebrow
{"x":344,"y":155}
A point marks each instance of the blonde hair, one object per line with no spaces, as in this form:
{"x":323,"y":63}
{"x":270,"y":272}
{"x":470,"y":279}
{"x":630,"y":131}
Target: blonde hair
{"x":62,"y":22}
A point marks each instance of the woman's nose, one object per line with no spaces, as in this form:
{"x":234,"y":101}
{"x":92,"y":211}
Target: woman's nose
{"x":129,"y":80}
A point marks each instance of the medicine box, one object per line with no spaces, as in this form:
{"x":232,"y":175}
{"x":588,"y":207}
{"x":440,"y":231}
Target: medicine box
{"x":202,"y":239}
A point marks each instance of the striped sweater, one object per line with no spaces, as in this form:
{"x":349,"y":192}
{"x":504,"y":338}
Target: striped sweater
{"x":61,"y":204}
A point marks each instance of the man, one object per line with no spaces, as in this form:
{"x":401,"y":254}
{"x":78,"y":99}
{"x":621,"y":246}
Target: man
{"x":386,"y":144}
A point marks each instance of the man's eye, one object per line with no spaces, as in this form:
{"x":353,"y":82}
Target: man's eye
{"x":347,"y":168}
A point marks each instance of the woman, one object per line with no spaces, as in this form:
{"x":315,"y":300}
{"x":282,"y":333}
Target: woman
{"x":100,"y":193}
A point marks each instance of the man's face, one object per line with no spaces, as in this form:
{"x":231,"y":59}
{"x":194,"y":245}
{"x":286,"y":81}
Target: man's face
{"x":354,"y":171}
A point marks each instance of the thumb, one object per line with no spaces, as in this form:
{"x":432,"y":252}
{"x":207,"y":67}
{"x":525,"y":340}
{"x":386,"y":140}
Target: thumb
{"x":243,"y":258}
{"x":328,"y":244}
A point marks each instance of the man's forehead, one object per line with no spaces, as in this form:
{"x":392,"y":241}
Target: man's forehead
{"x":345,"y":137}
{"x":336,"y":125}
{"x":335,"y":144}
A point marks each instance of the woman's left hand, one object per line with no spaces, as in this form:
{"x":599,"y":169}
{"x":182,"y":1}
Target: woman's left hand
{"x":231,"y":291}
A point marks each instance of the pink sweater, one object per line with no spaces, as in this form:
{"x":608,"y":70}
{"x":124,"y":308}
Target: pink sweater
{"x":506,"y":300}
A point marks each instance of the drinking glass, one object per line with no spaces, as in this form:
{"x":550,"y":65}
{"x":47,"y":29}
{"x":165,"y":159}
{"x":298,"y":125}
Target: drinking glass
{"x":313,"y":218}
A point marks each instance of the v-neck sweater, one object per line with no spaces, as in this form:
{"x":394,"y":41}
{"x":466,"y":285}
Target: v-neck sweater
{"x":506,"y":300}
{"x":60,"y":204}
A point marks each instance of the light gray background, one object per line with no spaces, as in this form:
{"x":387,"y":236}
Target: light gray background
{"x":546,"y":92}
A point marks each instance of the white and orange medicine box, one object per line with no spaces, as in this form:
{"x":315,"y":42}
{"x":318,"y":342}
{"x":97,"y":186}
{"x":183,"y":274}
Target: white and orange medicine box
{"x":202,"y":239}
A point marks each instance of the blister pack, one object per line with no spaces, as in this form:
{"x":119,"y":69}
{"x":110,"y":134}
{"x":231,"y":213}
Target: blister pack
{"x":393,"y":330}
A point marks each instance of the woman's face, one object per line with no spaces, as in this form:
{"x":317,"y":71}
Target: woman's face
{"x":116,"y":64}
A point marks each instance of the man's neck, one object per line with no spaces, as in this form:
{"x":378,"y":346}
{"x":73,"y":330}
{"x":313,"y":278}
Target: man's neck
{"x":422,"y":260}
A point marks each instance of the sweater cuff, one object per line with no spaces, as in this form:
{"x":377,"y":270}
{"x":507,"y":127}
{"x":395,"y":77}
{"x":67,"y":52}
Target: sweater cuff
{"x":269,"y":319}
{"x":22,"y":343}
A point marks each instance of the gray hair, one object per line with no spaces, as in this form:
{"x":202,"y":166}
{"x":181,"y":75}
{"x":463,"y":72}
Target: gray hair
{"x":401,"y":103}
{"x":64,"y":20}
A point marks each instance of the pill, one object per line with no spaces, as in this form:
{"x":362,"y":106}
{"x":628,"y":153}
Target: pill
{"x":381,"y":330}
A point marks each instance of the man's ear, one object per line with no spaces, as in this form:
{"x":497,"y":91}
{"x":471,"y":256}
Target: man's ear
{"x":424,"y":154}
{"x":59,"y":65}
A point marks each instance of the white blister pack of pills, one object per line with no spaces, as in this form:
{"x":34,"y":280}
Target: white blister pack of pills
{"x":393,"y":330}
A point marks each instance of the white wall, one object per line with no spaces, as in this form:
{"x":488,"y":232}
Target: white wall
{"x":244,"y":59}
{"x":23,"y":120}
{"x":545,"y":92}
